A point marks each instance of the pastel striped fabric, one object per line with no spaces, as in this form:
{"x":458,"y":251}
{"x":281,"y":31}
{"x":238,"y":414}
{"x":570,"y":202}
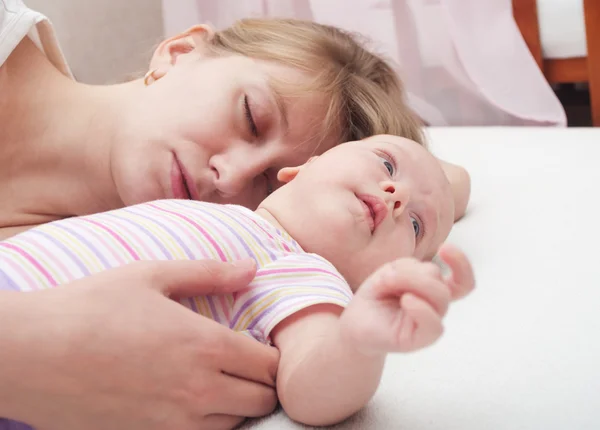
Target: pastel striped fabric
{"x":288,"y":279}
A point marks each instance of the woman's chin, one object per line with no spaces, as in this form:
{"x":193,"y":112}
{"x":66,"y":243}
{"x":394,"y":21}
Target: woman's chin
{"x":137,"y":194}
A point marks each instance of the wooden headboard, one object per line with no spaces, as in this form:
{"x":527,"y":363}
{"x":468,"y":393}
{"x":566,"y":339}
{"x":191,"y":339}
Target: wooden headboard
{"x":581,"y":69}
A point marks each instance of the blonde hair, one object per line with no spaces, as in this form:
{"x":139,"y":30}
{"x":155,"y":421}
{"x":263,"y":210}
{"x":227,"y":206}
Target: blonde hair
{"x":364,"y":93}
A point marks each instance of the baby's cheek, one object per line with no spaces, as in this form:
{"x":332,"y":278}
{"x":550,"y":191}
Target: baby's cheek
{"x":402,"y":244}
{"x":372,"y":259}
{"x":347,"y":246}
{"x":342,"y":234}
{"x":357,"y":268}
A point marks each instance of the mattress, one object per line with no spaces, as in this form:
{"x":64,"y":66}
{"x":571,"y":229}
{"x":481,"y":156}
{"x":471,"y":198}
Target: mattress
{"x":521,"y":352}
{"x":562,"y":28}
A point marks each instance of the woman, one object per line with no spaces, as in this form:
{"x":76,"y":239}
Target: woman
{"x":214,"y":119}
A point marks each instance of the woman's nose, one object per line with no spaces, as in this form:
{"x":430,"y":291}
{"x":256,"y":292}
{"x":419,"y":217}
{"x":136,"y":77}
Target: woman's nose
{"x":235,"y":170}
{"x":398,"y":196}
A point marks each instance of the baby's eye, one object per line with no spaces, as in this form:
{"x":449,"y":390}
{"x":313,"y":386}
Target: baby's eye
{"x":388,"y":165}
{"x":416,"y":226}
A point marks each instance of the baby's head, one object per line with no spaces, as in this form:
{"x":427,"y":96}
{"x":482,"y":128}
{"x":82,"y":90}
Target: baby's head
{"x":365,"y":203}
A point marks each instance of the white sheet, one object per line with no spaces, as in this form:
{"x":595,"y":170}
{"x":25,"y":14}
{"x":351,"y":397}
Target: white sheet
{"x":522,"y":352}
{"x":562,"y":28}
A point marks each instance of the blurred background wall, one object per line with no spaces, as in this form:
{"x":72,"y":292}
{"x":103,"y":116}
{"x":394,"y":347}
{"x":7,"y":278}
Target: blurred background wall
{"x":105,"y":40}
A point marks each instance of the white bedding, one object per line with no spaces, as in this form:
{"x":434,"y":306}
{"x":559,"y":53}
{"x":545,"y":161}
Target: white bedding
{"x":562,"y":28}
{"x":523,"y":352}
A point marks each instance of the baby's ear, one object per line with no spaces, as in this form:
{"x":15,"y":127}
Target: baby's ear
{"x":287,"y":174}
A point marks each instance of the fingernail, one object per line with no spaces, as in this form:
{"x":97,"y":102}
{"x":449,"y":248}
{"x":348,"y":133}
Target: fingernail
{"x":246,"y":265}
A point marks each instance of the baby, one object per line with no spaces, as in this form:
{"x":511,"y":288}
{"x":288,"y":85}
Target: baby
{"x":320,"y":294}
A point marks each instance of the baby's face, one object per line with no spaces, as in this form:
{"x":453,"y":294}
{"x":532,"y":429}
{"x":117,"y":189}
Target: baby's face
{"x":362,"y":204}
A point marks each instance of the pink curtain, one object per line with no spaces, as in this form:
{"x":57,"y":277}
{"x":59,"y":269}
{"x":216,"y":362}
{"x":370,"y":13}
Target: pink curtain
{"x":463,"y":62}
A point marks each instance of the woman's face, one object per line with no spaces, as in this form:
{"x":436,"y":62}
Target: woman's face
{"x":214,"y":129}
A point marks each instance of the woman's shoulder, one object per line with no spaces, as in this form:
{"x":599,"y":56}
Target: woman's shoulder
{"x":17,"y":21}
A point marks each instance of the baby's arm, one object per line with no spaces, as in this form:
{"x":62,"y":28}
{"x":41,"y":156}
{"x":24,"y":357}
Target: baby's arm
{"x":460,"y":181}
{"x":322,"y":379}
{"x":331,"y":362}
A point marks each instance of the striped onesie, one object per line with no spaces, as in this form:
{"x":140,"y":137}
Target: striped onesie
{"x":287,"y":280}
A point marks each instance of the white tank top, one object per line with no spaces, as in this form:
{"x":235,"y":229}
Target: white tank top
{"x":17,"y":21}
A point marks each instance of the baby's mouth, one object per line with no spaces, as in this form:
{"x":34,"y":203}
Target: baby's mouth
{"x":375,"y":209}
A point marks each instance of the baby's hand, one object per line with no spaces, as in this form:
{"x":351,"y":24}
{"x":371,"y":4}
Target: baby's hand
{"x":400,"y":307}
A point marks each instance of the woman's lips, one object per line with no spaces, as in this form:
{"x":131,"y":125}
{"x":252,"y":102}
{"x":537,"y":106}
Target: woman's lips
{"x":181,"y":183}
{"x":375,"y":208}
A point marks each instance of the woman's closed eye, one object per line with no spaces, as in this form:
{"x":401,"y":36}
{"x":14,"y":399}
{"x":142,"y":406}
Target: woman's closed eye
{"x":251,"y":123}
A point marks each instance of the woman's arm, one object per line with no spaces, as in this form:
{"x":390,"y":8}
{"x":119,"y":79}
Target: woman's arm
{"x":112,"y":351}
{"x":461,"y":187}
{"x":322,"y":379}
{"x":10,"y":395}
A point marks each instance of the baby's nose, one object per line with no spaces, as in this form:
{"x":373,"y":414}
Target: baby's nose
{"x":398,"y":195}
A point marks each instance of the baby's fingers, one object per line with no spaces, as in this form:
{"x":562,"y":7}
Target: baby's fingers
{"x":461,"y":279}
{"x":403,"y":276}
{"x":420,"y":325}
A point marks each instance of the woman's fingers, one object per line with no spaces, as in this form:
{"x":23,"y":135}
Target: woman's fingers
{"x":461,"y":280}
{"x":221,"y":422}
{"x":246,"y":358}
{"x":187,"y":278}
{"x":239,"y":397}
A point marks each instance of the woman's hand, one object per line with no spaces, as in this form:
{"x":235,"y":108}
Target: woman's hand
{"x":113,"y":352}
